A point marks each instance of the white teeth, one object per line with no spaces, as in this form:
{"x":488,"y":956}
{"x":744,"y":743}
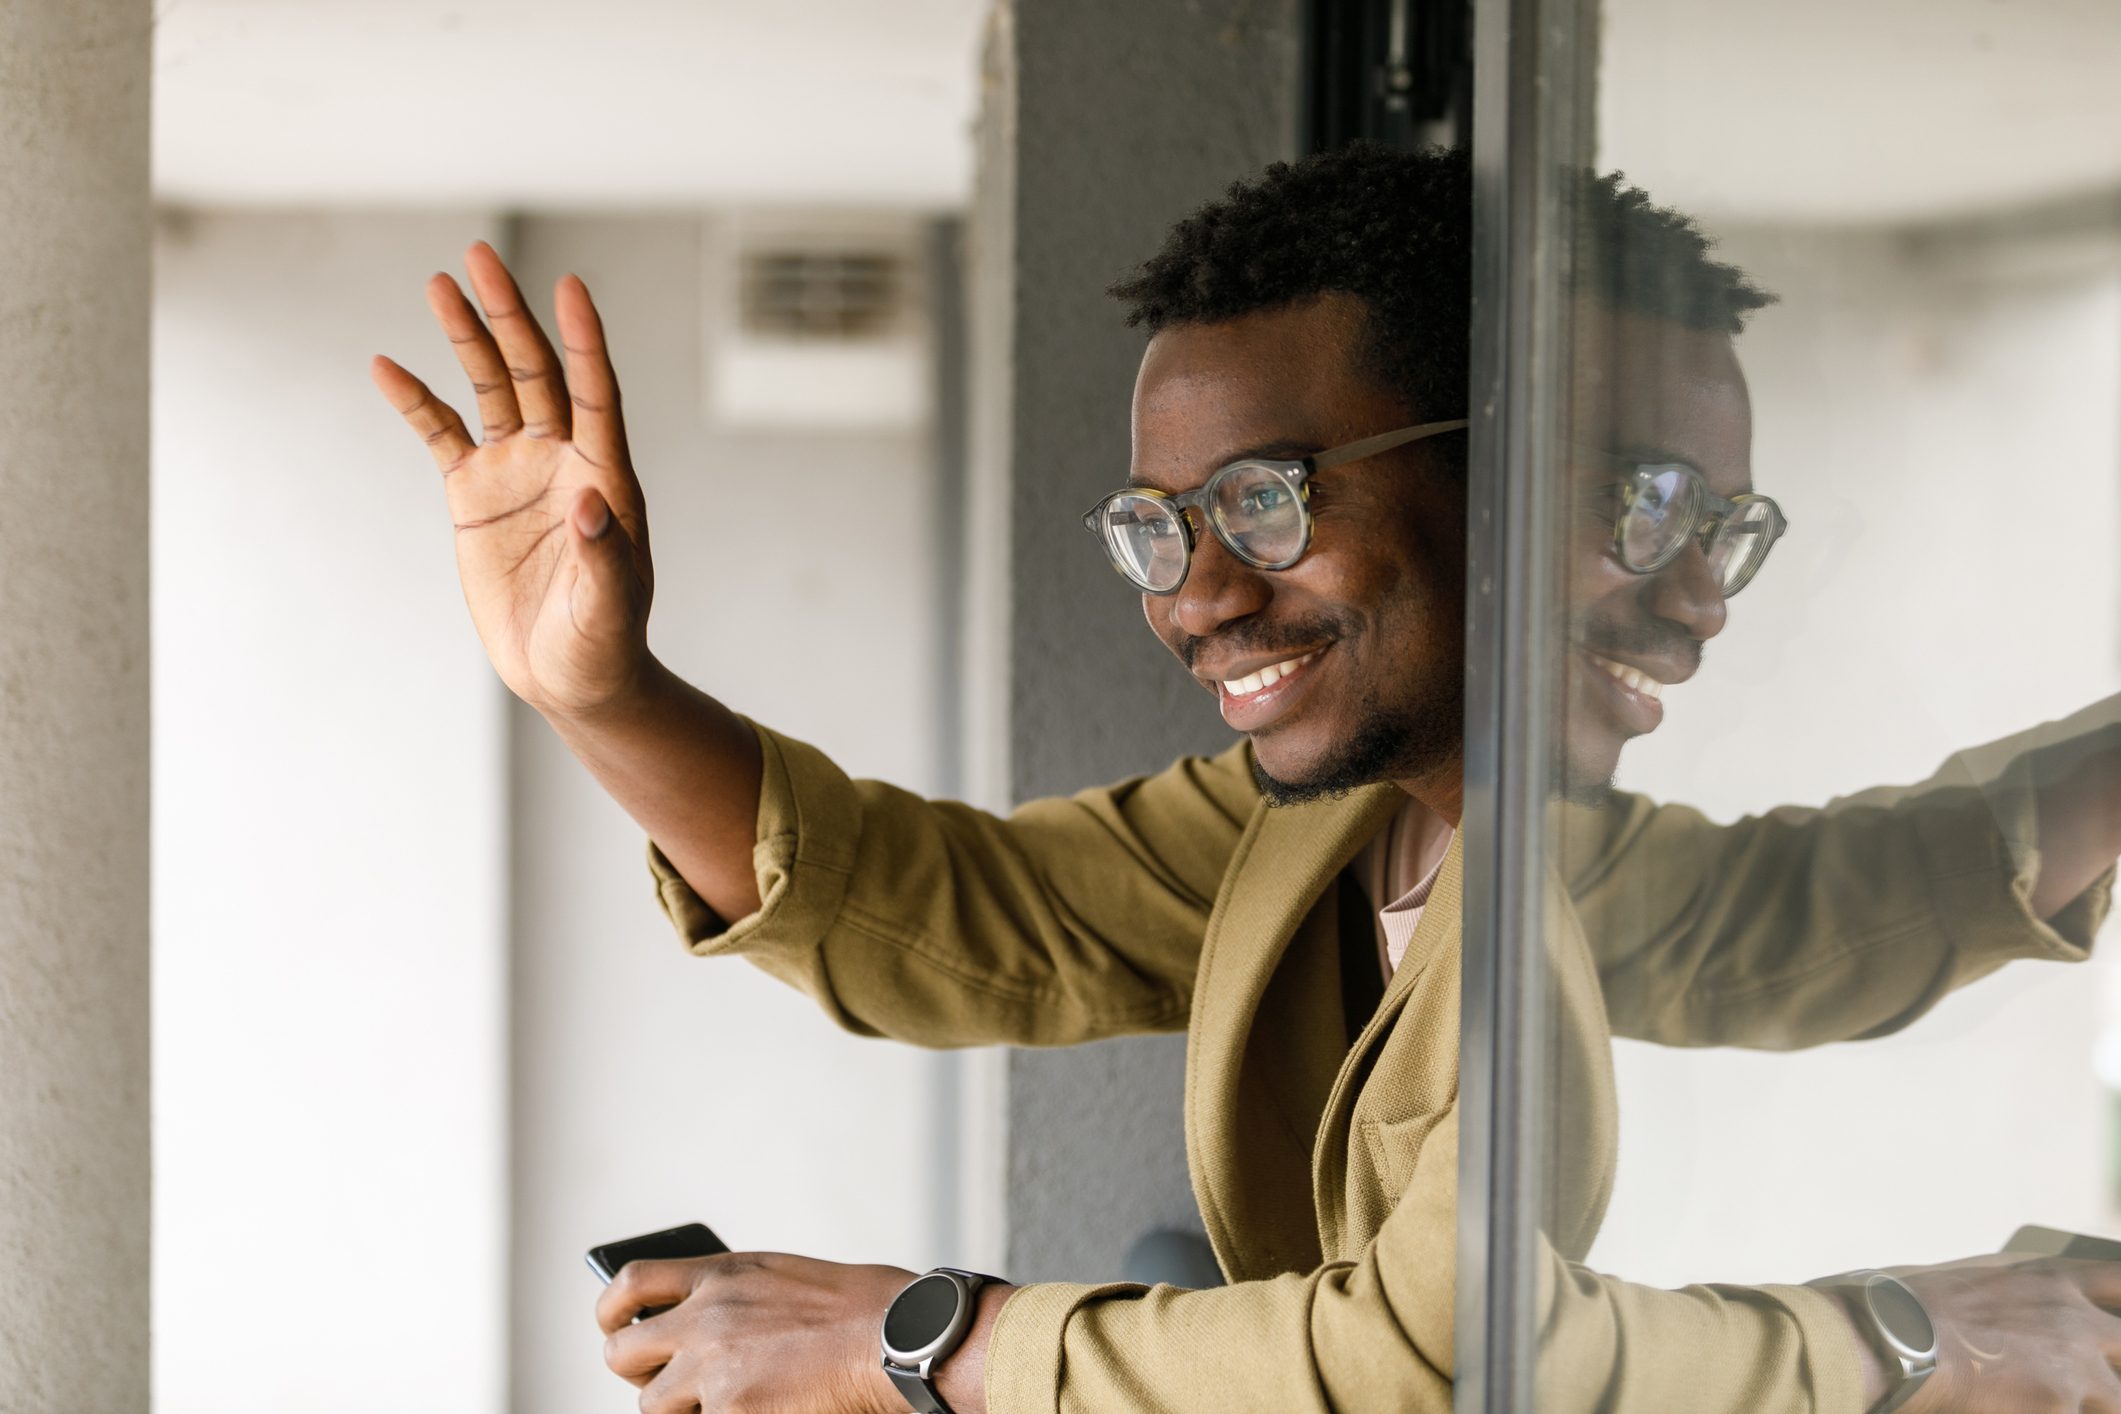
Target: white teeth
{"x":1640,"y":682}
{"x":1265,"y":677}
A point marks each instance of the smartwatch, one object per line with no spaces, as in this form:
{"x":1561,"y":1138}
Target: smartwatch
{"x":925,"y":1322}
{"x":1899,"y":1326}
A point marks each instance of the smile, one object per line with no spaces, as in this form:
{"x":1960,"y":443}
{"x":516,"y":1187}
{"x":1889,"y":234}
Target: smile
{"x":1631,"y":678}
{"x":1263,"y":696}
{"x":1266,"y":677}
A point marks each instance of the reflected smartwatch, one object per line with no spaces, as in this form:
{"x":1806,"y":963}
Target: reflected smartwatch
{"x":925,"y":1322}
{"x":1899,"y":1327}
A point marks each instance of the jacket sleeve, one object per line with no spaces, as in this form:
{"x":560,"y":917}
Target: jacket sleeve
{"x":1803,"y":926}
{"x":935,"y":923}
{"x":1376,"y":1333}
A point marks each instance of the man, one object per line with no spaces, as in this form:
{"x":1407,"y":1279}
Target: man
{"x":1296,"y":520}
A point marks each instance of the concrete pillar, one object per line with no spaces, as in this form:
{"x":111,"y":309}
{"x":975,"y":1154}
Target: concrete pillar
{"x":1104,"y":122}
{"x":73,"y":706}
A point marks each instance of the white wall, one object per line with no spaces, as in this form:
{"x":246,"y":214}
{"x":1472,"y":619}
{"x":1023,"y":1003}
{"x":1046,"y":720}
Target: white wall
{"x":330,"y":1201}
{"x":1939,"y":424}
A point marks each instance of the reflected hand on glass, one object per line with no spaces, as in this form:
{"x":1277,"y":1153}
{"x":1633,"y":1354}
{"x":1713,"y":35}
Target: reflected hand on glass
{"x":767,"y":1331}
{"x":551,"y":530}
{"x":2015,"y":1333}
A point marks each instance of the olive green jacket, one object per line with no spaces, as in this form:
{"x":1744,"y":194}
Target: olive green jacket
{"x":1327,"y":1172}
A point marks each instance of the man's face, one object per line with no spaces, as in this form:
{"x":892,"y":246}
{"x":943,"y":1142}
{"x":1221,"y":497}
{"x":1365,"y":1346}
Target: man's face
{"x":1374,"y":609}
{"x":1649,"y":391}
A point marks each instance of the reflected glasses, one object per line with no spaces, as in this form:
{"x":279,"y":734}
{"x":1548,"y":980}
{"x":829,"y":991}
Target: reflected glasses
{"x":1662,"y":506}
{"x":1259,"y":509}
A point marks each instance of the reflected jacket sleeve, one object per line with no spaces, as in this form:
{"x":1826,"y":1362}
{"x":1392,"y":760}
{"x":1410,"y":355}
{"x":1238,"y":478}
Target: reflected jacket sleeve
{"x":1376,"y":1333}
{"x":1803,"y":926}
{"x":935,"y":923}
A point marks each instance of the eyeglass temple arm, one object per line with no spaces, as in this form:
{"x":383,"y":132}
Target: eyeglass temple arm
{"x":1385,"y":442}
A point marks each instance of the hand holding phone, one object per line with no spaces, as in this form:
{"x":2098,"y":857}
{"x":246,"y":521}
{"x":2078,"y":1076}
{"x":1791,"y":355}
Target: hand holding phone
{"x":687,"y":1240}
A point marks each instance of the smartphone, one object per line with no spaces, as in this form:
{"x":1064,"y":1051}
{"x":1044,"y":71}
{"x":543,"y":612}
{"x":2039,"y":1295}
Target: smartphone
{"x":689,"y":1240}
{"x":2053,"y":1242}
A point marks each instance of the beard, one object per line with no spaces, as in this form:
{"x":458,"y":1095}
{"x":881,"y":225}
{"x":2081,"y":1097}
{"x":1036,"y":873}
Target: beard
{"x":1391,"y":742}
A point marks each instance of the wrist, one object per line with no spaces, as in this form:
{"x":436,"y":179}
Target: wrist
{"x":933,"y":1351}
{"x":962,"y":1378}
{"x":633,"y":697}
{"x":1893,"y":1331}
{"x":1870,"y":1360}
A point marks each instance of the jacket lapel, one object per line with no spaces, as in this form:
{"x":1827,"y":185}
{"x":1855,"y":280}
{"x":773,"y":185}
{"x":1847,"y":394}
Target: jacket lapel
{"x":1435,"y":944}
{"x":1267,"y":1036}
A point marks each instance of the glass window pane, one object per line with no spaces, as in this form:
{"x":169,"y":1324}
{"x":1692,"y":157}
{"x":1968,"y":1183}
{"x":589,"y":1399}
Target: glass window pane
{"x":1832,"y":657}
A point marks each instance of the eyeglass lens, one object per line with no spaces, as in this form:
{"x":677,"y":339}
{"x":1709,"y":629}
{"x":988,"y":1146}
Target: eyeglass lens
{"x":1145,"y":539}
{"x":1260,"y":515}
{"x":1254,"y":509}
{"x":1666,"y":509}
{"x":1740,"y":544}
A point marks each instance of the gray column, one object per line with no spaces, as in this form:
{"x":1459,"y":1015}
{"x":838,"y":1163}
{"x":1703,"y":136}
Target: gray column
{"x":1104,"y":122}
{"x":73,"y":706}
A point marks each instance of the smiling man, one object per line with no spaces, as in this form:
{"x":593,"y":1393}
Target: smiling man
{"x":1295,"y":522}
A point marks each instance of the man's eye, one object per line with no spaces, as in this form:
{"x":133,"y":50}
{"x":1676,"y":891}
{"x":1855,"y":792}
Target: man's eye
{"x":1267,"y":498}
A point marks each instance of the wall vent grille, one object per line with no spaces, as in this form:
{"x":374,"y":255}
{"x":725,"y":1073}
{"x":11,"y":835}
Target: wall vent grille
{"x":822,"y":294}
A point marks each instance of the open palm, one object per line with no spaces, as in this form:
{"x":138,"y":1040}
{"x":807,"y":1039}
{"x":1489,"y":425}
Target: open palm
{"x":551,"y":532}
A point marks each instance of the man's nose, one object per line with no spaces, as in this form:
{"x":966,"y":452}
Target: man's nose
{"x":1688,"y":593}
{"x":1219,"y":589}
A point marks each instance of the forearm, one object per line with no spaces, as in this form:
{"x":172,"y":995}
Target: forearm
{"x":688,"y":770}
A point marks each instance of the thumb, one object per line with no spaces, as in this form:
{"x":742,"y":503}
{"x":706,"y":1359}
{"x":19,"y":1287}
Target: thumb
{"x":601,"y":601}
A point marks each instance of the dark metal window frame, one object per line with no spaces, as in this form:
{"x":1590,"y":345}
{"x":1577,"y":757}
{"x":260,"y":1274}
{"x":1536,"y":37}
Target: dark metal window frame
{"x":1394,"y":71}
{"x":1534,"y":81}
{"x":1402,"y":72}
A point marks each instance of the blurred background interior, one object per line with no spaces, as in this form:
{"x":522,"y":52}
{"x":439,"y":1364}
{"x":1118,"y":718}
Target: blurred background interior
{"x":487,"y":1051}
{"x":418,"y":1024}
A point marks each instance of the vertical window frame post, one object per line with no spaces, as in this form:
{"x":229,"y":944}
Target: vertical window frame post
{"x":1534,"y":75}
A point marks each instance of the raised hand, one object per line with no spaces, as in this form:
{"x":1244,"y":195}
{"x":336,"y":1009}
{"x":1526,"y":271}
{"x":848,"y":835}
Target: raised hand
{"x":551,"y":531}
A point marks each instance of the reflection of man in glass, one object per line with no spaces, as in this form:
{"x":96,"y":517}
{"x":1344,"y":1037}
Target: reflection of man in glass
{"x":1295,"y":519}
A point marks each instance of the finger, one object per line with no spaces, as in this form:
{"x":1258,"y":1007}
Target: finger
{"x":593,"y":389}
{"x":636,"y":1353}
{"x":669,"y":1393}
{"x":601,"y":601}
{"x":479,"y":355}
{"x":435,"y":421}
{"x":639,"y":1285}
{"x":540,"y":391}
{"x":2099,"y":1281}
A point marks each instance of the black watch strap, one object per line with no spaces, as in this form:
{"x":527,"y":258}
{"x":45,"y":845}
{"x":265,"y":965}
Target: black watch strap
{"x":920,"y":1392}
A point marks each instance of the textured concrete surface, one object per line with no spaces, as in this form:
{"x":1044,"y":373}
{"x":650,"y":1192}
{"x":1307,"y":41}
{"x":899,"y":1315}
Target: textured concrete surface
{"x":1105,"y":121}
{"x":73,"y":707}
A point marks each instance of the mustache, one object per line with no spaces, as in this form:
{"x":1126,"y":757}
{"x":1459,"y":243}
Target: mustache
{"x":1245,"y":636}
{"x":1654,"y":639}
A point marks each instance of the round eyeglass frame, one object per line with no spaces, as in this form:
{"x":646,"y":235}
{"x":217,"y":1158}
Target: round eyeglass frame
{"x":1706,"y":519}
{"x":1295,"y":473}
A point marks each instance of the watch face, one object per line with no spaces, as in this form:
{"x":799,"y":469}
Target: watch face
{"x":922,"y":1314}
{"x":1901,"y":1315}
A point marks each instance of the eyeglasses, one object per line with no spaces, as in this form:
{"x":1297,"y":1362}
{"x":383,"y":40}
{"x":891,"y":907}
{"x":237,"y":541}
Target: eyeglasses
{"x":1259,"y":509}
{"x":1664,"y":505}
